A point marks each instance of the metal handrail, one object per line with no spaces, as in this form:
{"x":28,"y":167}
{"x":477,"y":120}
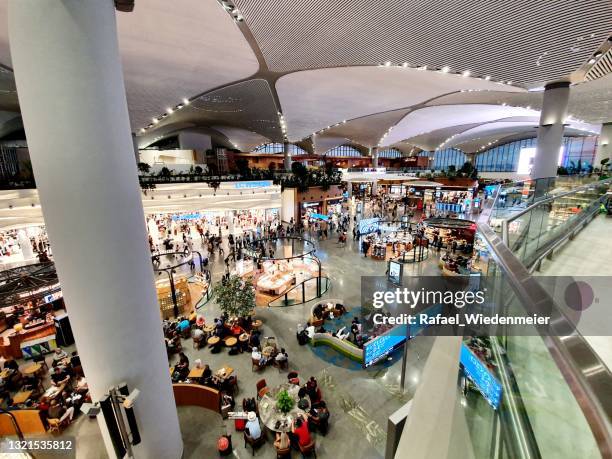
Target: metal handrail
{"x":557,"y":196}
{"x":588,"y":378}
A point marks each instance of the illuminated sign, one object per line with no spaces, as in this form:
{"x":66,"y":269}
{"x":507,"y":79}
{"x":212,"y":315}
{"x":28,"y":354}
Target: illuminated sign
{"x":256,"y":184}
{"x":477,"y":372}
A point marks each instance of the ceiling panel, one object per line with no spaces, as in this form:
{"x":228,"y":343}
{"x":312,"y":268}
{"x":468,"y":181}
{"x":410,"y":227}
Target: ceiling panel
{"x":243,"y":140}
{"x":248,"y":105}
{"x":367,"y":130}
{"x":431,"y":118}
{"x":529,"y":42}
{"x":315,"y":99}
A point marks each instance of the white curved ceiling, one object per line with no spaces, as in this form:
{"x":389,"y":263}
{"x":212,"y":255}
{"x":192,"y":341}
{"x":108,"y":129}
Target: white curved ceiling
{"x":189,"y":48}
{"x":422,"y":120}
{"x":243,"y":140}
{"x":529,"y":41}
{"x":315,"y":99}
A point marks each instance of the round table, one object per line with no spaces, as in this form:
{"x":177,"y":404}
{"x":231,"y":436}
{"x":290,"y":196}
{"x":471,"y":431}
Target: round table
{"x":209,"y":328}
{"x":231,"y":341}
{"x":257,"y":324}
{"x":244,"y":337}
{"x":274,"y":419}
{"x":268,"y":351}
{"x":32,"y":369}
{"x":213,"y":340}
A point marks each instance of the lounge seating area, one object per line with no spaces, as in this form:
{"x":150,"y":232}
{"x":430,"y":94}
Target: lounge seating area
{"x":46,"y":394}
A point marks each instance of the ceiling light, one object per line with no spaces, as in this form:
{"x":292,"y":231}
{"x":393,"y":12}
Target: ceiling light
{"x":388,"y":64}
{"x":155,"y":121}
{"x":592,"y":60}
{"x":488,"y":77}
{"x":405,"y":64}
{"x":179,"y":106}
{"x":509,"y":82}
{"x":466,"y":73}
{"x":186,"y":101}
{"x":445,"y":69}
{"x":170,"y":111}
{"x":142,"y":129}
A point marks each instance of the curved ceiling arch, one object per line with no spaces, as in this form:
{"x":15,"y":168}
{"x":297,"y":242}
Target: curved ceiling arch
{"x":424,"y":119}
{"x":465,"y":35}
{"x":316,"y":99}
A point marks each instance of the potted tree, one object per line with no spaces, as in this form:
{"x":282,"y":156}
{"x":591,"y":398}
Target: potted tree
{"x":284,"y":402}
{"x":236,"y":296}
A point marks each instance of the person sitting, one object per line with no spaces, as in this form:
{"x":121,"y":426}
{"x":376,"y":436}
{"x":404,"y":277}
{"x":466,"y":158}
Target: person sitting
{"x":252,"y":427}
{"x":235,"y":329}
{"x":303,"y":402}
{"x":259,"y":357}
{"x":57,"y":411}
{"x":318,"y":311}
{"x":281,"y":358}
{"x":318,"y":417}
{"x":197,"y":334}
{"x":60,"y":377}
{"x":182,"y":367}
{"x":282,"y":441}
{"x":59,"y":355}
{"x":11,"y":365}
{"x":340,"y":334}
{"x":254,"y":339}
{"x":183,"y":325}
{"x":301,"y":434}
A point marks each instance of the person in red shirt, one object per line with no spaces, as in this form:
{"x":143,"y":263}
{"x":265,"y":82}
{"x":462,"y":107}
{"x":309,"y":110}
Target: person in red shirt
{"x":301,"y":432}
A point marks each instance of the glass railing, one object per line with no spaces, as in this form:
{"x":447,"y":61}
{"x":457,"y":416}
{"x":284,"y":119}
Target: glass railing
{"x":303,"y":292}
{"x":531,"y":233}
{"x":539,"y":415}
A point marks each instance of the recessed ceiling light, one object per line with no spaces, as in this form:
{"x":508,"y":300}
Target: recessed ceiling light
{"x":445,"y":69}
{"x":170,"y":111}
{"x":142,"y":129}
{"x":509,"y":82}
{"x":186,"y":101}
{"x":466,"y":73}
{"x":155,"y":121}
{"x":488,"y":77}
{"x":388,"y":64}
{"x":405,"y":64}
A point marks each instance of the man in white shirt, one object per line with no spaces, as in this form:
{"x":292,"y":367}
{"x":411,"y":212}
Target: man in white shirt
{"x":254,"y":429}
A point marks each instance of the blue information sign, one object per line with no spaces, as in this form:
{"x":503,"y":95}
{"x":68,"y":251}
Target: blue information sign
{"x":378,"y":348}
{"x":479,"y":374}
{"x":256,"y":184}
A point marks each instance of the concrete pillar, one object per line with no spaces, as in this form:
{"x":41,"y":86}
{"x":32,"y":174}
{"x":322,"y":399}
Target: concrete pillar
{"x":550,"y":132}
{"x":604,"y":145}
{"x":72,"y":96}
{"x":374,"y":155}
{"x":374,"y":187}
{"x":287,"y":156}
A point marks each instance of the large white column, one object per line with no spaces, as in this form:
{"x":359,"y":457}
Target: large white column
{"x":374,"y":155}
{"x":287,"y":156}
{"x":550,"y":131}
{"x":604,"y":145}
{"x":72,"y":97}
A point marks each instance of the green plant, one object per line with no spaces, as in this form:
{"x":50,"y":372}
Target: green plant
{"x":235,"y":297}
{"x":144,"y":168}
{"x":284,"y":402}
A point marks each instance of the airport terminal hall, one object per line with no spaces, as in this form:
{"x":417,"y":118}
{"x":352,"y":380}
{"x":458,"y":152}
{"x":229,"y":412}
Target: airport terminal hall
{"x":351,"y":229}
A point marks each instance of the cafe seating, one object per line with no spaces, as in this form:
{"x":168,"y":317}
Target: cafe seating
{"x":255,"y":365}
{"x":254,"y":443}
{"x":282,"y":453}
{"x":262,"y":388}
{"x":308,"y":449}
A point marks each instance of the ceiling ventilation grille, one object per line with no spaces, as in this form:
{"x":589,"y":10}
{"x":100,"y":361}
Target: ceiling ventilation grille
{"x":602,"y":68}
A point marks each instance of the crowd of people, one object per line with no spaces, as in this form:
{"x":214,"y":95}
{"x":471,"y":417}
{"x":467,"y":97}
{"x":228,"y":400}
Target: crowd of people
{"x":57,"y":392}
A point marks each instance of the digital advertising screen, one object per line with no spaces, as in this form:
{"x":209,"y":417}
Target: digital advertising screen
{"x":395,"y":272}
{"x":368,"y":225}
{"x":477,"y":372}
{"x":380,"y":347}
